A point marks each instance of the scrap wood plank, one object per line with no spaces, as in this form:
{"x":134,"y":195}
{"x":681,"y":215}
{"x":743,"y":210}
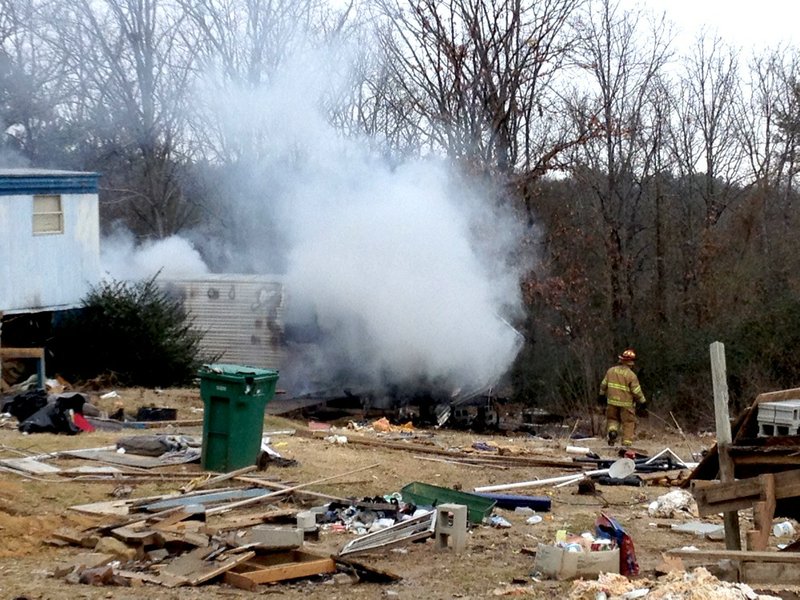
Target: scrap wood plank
{"x":139,"y":503}
{"x":141,"y":537}
{"x":763,"y":513}
{"x":526,"y":461}
{"x":95,"y":470}
{"x":131,"y":460}
{"x":767,"y":459}
{"x":282,"y":486}
{"x":29,"y":465}
{"x":188,"y":538}
{"x":205,"y":499}
{"x":207,"y":479}
{"x":111,"y":507}
{"x":248,"y":501}
{"x":76,"y":538}
{"x":740,"y":555}
{"x":279,"y":566}
{"x":179,"y":515}
{"x":9,"y":352}
{"x":160,"y":424}
{"x":741,"y":494}
{"x":243,"y":522}
{"x":124,"y":507}
{"x":87,"y":560}
{"x":157,"y":578}
{"x":194,"y":569}
{"x":366,"y":572}
{"x":769,"y":572}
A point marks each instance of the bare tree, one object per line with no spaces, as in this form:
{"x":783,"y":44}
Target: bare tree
{"x":475,"y":77}
{"x":707,"y":116}
{"x":622,"y":55}
{"x":243,"y":44}
{"x":32,"y":82}
{"x":709,"y":160}
{"x":132,"y":72}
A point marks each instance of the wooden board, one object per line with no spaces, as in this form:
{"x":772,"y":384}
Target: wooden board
{"x":270,"y":516}
{"x":194,"y":569}
{"x":132,"y":460}
{"x":741,"y":555}
{"x":741,"y":494}
{"x":29,"y":465}
{"x":769,"y":572}
{"x":138,"y":537}
{"x":280,"y":566}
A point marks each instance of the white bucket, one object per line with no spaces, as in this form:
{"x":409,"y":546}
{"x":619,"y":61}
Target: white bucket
{"x":784,"y":529}
{"x":622,"y":468}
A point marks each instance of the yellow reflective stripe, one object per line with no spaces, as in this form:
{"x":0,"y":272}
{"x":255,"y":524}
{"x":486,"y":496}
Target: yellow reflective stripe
{"x":619,"y":386}
{"x":618,"y":402}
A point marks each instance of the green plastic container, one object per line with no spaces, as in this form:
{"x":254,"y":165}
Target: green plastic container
{"x":234,"y":397}
{"x":424,"y":494}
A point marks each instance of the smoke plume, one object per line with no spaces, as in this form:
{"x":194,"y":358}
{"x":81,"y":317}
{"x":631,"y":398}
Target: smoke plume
{"x":400,"y":269}
{"x":122,"y":259}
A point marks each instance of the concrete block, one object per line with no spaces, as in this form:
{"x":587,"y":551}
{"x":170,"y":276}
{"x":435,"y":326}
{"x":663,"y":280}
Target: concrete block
{"x":451,"y":527}
{"x":307,"y":520}
{"x":267,"y":536}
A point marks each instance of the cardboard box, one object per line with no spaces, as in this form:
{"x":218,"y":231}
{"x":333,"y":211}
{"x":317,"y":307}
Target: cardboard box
{"x":556,"y":563}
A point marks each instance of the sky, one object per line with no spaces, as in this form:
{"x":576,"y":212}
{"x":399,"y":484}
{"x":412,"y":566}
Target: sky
{"x":744,"y":23}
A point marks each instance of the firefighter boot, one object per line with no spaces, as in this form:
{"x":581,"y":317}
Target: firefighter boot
{"x":612,"y":436}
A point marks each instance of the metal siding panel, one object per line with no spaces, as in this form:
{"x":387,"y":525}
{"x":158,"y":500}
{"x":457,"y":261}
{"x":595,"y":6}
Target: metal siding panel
{"x":242,"y":315}
{"x":47,"y":182}
{"x":46,"y":272}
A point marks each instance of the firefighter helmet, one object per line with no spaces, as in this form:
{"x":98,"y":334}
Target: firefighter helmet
{"x":629,"y":355}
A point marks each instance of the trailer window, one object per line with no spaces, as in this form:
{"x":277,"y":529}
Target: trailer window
{"x":47,"y":215}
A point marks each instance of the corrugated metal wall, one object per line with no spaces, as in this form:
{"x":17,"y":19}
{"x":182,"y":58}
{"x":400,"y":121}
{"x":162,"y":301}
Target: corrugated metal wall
{"x":241,"y":314}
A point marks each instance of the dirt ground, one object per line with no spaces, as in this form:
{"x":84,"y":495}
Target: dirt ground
{"x":32,"y":508}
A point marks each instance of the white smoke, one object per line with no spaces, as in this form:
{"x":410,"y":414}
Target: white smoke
{"x":122,"y":259}
{"x":387,"y":259}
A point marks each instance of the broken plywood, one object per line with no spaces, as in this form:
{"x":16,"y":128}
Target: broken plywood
{"x":135,"y":460}
{"x":30,"y":466}
{"x":194,"y":568}
{"x":279,"y":566}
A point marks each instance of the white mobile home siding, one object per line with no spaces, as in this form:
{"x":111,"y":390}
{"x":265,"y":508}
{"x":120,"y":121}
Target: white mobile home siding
{"x":47,"y":271}
{"x":241,"y":315}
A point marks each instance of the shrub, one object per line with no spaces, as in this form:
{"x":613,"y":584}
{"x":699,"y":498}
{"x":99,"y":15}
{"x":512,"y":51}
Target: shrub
{"x":133,"y":331}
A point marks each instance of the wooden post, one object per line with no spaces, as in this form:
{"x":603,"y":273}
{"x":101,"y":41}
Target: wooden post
{"x":763,"y":513}
{"x":724,"y":438}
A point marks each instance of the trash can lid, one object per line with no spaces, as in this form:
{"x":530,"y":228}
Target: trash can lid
{"x":235,"y":372}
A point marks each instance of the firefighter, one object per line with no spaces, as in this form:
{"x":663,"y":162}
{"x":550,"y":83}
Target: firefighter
{"x":621,"y":392}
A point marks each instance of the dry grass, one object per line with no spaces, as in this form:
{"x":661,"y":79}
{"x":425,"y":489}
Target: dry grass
{"x":30,"y":510}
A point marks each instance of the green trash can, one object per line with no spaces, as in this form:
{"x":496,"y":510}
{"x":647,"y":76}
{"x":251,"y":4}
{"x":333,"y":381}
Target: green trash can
{"x":234,"y":397}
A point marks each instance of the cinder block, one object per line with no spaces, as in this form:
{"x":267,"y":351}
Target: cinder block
{"x":307,"y":520}
{"x":451,"y":527}
{"x":267,"y":536}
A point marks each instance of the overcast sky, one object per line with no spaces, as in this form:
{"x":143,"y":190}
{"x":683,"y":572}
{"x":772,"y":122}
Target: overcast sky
{"x":745,"y":23}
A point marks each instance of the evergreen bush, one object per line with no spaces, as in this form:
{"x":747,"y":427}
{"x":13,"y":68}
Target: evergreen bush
{"x":135,"y":332}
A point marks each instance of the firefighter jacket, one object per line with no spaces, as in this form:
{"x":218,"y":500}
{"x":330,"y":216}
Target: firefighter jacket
{"x":621,"y":387}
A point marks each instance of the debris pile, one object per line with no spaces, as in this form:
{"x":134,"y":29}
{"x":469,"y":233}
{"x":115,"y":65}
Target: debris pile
{"x":180,"y":539}
{"x":697,"y":584}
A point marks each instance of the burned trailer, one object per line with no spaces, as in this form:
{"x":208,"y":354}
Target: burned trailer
{"x":424,"y":406}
